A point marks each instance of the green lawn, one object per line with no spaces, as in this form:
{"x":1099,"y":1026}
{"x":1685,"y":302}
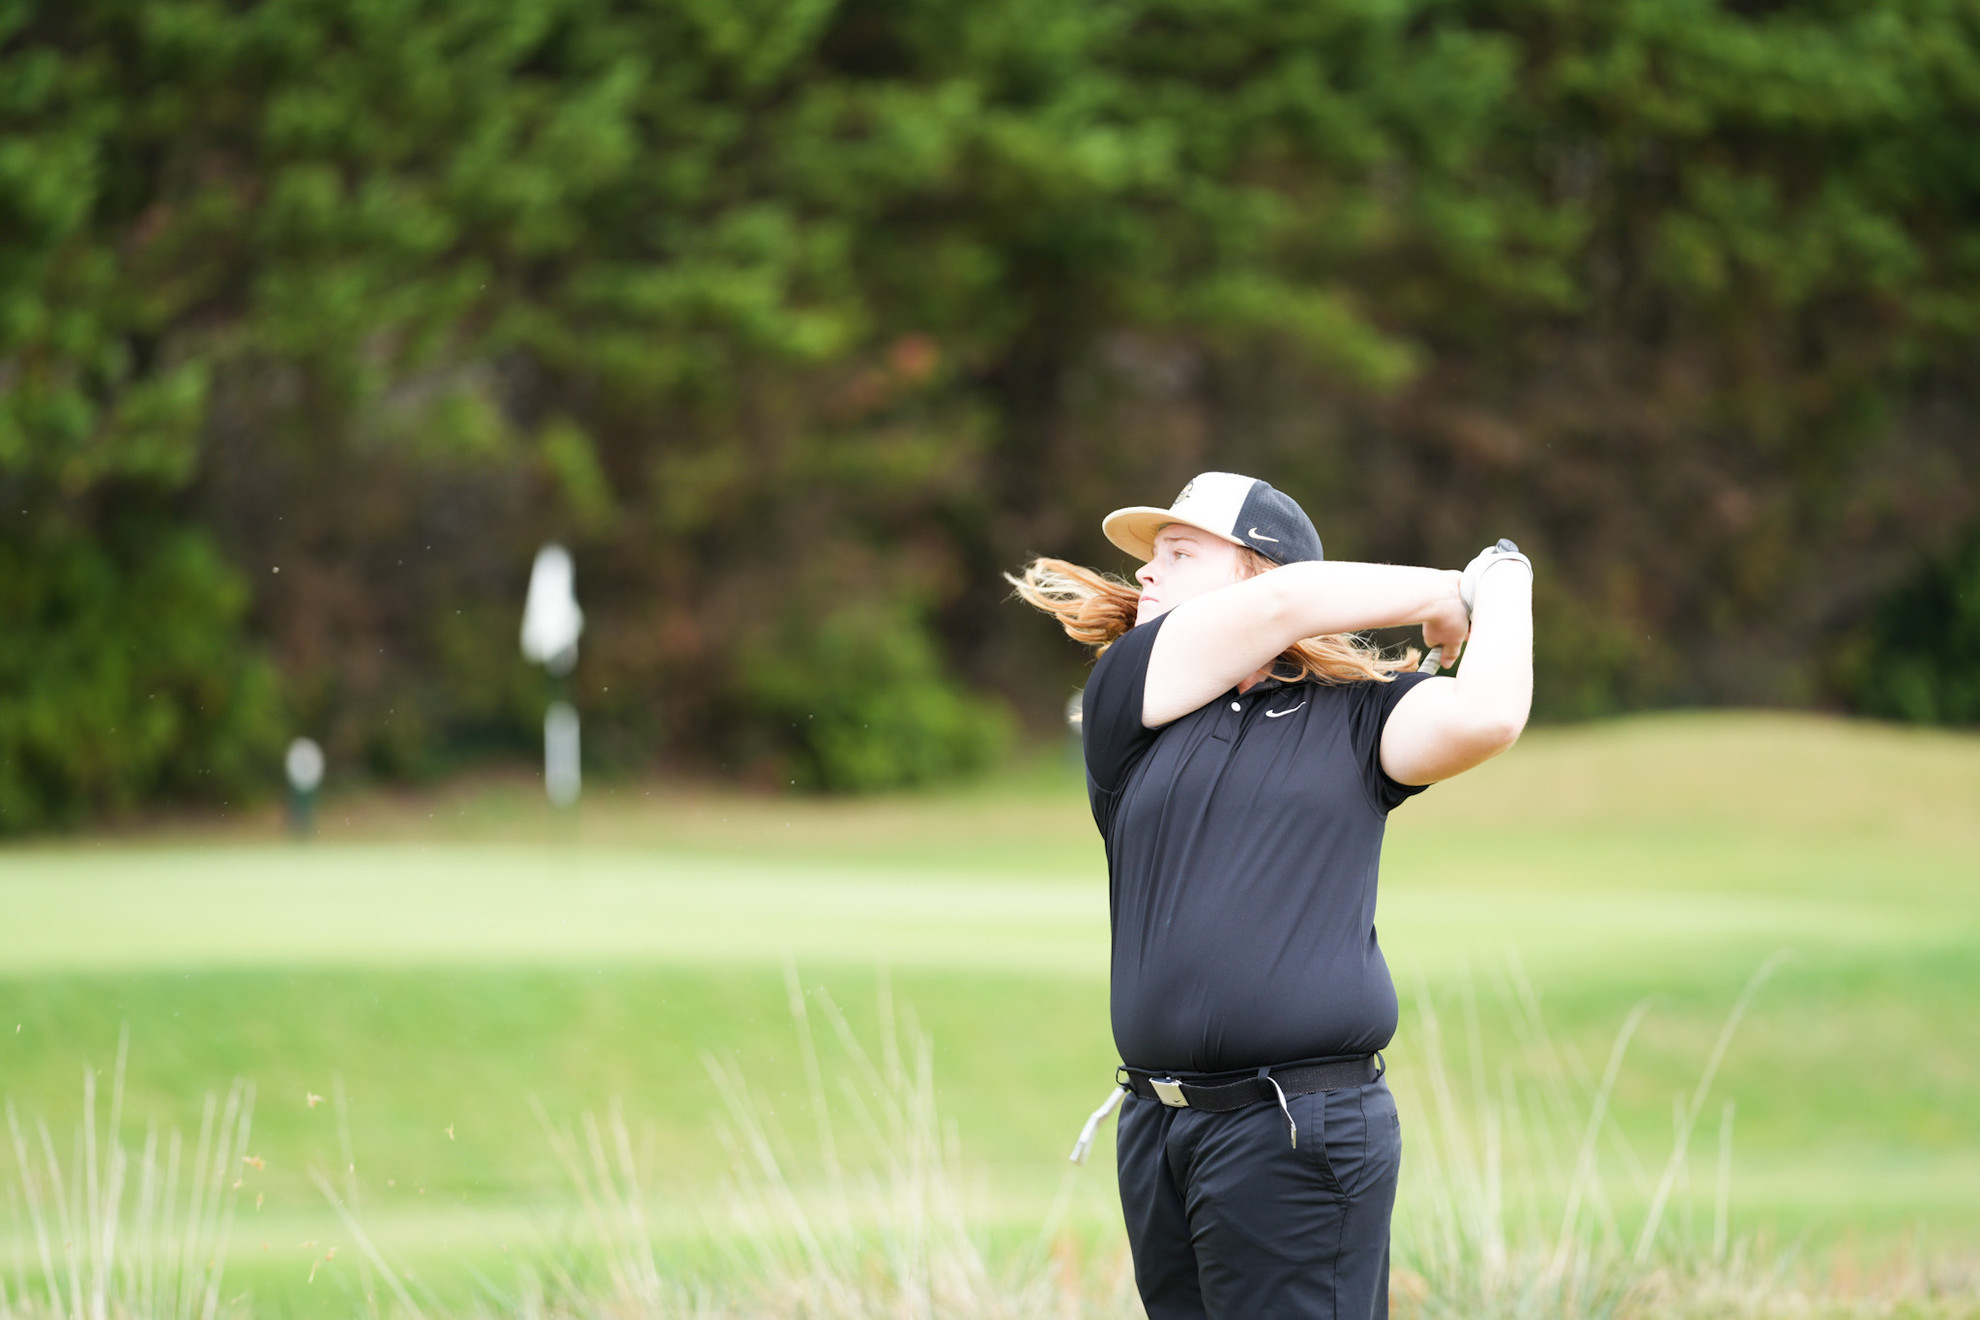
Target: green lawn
{"x":448,"y":960}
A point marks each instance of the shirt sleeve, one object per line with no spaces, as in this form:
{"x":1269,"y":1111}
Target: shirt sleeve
{"x":1371,"y":709}
{"x":1110,"y":712}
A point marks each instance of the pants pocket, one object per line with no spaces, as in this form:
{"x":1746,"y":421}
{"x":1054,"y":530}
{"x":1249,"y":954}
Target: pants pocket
{"x":1316,"y":1133}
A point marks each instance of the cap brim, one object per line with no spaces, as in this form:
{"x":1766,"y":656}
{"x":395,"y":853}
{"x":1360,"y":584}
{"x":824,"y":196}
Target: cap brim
{"x":1133,"y":529}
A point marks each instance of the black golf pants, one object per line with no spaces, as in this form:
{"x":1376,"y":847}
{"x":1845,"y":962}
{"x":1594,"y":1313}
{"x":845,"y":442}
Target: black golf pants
{"x":1228,"y":1221}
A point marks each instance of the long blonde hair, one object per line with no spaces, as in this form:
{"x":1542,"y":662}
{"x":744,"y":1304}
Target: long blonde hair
{"x":1096,"y":608}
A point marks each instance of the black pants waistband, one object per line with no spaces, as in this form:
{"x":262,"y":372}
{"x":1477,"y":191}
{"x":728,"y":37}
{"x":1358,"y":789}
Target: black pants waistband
{"x":1218,"y":1093}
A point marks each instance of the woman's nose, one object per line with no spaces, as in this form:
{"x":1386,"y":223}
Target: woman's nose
{"x":1145,"y":575}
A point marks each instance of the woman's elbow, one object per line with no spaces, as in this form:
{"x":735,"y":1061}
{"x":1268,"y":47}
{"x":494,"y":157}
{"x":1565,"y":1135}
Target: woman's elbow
{"x":1493,"y":731}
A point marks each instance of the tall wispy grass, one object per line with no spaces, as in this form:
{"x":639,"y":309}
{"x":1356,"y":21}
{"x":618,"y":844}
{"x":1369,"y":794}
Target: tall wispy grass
{"x":117,"y":1232}
{"x":1523,"y":1200}
{"x":879,"y":1224}
{"x":1510,"y":1207}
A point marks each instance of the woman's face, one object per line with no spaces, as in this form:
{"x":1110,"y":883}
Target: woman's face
{"x":1187,"y":563}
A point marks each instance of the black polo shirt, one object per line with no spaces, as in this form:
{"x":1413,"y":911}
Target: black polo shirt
{"x":1242,"y":847}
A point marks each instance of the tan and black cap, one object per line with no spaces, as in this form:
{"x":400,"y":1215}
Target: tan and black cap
{"x":1242,"y":510}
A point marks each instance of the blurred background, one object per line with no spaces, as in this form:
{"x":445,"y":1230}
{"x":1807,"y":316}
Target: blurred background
{"x":798,"y":322}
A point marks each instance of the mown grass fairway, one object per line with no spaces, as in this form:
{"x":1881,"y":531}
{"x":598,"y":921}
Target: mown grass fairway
{"x":446,"y":962}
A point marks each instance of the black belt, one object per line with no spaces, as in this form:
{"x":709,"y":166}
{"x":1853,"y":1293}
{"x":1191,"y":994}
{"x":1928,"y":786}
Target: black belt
{"x":1219,"y":1093}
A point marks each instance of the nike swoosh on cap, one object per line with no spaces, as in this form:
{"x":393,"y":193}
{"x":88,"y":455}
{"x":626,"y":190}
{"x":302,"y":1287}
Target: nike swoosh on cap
{"x":1274,"y":714}
{"x":1257,"y":535}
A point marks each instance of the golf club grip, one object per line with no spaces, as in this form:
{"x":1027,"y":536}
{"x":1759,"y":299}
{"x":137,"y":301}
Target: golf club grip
{"x":1432,"y":662}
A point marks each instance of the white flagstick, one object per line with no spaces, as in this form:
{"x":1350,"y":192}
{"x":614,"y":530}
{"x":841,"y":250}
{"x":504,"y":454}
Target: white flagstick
{"x":552,"y":624}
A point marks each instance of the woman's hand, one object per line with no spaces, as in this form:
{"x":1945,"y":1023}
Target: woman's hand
{"x":1449,"y":623}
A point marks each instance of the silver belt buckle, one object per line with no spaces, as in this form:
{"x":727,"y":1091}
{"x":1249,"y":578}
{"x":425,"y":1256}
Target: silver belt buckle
{"x":1169,"y":1092}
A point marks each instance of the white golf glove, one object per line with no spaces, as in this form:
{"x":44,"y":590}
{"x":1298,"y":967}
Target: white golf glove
{"x":1504,"y":552}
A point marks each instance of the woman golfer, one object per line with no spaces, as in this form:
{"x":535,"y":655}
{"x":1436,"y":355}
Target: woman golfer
{"x":1243,"y":751}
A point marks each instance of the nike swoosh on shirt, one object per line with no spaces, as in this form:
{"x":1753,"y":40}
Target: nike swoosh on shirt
{"x":1274,"y":714}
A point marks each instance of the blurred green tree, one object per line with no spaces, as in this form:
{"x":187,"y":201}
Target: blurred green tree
{"x":1918,"y":658}
{"x":124,"y":676}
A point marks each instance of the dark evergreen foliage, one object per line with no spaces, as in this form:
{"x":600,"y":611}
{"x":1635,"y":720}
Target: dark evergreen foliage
{"x":1920,"y":658}
{"x":799,"y":320}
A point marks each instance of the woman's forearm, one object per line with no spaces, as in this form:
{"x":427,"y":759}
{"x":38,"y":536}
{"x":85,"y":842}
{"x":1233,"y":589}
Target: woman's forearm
{"x":1446,"y":726}
{"x":1319,"y":598}
{"x":1222,"y":637}
{"x":1495,"y":682}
